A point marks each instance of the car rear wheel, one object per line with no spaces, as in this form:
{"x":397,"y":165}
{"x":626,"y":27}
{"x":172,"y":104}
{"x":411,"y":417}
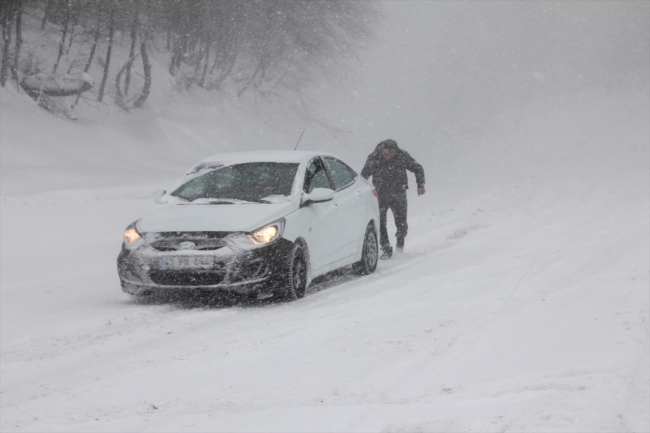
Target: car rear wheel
{"x":295,"y":279}
{"x":369,"y":254}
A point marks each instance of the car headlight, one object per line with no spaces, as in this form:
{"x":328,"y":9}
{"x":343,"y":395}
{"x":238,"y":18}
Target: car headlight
{"x":268,"y":233}
{"x":131,"y":235}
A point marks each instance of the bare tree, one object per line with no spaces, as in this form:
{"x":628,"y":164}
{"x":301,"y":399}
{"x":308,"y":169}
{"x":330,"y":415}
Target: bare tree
{"x":93,"y":48}
{"x":147,"y":74}
{"x":129,"y":62}
{"x":107,"y":62}
{"x":64,"y":33}
{"x":7,"y":12}
{"x":19,"y":39}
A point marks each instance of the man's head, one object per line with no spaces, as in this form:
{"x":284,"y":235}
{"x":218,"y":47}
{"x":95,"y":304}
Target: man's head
{"x":389,"y":149}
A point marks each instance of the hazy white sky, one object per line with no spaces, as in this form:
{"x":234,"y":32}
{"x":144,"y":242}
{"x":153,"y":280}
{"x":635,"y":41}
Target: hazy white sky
{"x":444,"y":69}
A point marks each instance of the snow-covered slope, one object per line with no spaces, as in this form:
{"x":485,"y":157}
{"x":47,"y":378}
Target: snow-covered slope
{"x":43,"y":153}
{"x":521,"y":302}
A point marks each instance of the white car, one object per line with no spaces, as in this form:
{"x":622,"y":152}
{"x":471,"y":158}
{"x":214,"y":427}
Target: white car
{"x":255,"y":223}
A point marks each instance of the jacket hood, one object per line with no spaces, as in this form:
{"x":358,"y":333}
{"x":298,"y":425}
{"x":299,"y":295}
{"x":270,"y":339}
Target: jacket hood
{"x":381,"y":146}
{"x":212,"y":217}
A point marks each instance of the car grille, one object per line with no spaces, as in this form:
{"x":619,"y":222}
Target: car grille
{"x":166,"y":247}
{"x":186,"y":278}
{"x":203,"y":241}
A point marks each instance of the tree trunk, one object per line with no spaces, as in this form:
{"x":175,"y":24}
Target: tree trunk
{"x":111,"y":31}
{"x":175,"y":62}
{"x":216,"y":60}
{"x":197,"y":68}
{"x":7,"y":21}
{"x":92,"y":52}
{"x":48,"y":8}
{"x":62,"y":43}
{"x":147,"y":74}
{"x":92,"y":49}
{"x":129,"y":63}
{"x":119,"y":96}
{"x":19,"y":39}
{"x":205,"y":64}
{"x":67,"y":51}
{"x":184,"y":42}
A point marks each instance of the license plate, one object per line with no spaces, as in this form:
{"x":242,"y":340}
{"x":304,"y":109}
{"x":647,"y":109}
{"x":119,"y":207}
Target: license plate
{"x":186,"y":262}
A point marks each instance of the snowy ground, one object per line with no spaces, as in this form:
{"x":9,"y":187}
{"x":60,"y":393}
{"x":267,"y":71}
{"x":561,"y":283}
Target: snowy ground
{"x":520,"y":306}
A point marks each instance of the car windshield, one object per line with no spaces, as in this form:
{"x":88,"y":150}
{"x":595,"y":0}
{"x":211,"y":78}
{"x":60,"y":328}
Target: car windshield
{"x":248,"y":182}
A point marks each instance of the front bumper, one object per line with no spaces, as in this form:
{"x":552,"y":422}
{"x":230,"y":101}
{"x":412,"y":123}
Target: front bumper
{"x":143,"y":269}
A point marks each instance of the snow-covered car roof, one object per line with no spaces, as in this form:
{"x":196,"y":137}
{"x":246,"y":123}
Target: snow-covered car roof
{"x":264,"y":156}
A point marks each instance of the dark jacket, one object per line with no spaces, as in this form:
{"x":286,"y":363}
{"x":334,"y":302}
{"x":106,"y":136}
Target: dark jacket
{"x":389,"y":176}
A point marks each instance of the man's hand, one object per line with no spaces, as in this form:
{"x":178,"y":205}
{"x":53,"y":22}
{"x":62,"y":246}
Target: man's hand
{"x":374,"y":192}
{"x":421,"y":191}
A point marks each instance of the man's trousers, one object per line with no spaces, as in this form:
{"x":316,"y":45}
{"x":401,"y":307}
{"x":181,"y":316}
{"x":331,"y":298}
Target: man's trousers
{"x":396,"y":202}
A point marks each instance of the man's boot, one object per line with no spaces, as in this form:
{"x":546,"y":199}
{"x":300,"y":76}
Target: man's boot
{"x":400,"y":245}
{"x":388,"y":253}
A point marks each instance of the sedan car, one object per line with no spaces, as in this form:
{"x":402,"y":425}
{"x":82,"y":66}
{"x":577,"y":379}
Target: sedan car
{"x":260,"y":224}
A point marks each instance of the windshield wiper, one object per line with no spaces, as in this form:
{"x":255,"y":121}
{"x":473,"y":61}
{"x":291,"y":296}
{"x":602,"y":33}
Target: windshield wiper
{"x":225,"y":200}
{"x":256,"y":200}
{"x":244,"y":201}
{"x":202,"y":200}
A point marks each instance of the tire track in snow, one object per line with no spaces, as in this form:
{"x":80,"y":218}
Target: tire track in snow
{"x":427,"y":374}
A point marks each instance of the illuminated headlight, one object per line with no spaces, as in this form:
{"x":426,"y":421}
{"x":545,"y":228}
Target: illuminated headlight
{"x":268,"y":233}
{"x":131,"y":235}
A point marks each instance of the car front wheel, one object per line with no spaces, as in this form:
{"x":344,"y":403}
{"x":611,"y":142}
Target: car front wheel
{"x":369,"y":254}
{"x":295,"y":278}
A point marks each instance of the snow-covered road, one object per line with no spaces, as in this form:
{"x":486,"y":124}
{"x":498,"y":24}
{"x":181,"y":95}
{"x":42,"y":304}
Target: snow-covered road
{"x":519,"y":308}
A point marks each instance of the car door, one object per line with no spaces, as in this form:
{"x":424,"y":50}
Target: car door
{"x":322,"y":218}
{"x":351,"y":207}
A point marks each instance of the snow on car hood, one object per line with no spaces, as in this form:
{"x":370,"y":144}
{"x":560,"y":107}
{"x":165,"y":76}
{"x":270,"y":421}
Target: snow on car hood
{"x":212,"y":217}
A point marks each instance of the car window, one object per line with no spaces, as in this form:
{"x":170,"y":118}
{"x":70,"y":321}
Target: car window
{"x":250,"y":181}
{"x":316,"y":176}
{"x":342,"y":175}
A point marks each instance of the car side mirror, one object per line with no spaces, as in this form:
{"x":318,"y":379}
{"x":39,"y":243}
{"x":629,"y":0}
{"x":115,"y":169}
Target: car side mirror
{"x":318,"y":195}
{"x":157,"y":195}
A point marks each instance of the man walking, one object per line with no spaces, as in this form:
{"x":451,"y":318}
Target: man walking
{"x":387,"y":165}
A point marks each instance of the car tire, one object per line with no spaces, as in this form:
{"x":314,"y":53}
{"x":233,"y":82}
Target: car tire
{"x":294,"y":282}
{"x":369,"y":253}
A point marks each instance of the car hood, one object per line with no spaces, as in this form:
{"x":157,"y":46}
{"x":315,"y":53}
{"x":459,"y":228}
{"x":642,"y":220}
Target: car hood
{"x":212,"y":217}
